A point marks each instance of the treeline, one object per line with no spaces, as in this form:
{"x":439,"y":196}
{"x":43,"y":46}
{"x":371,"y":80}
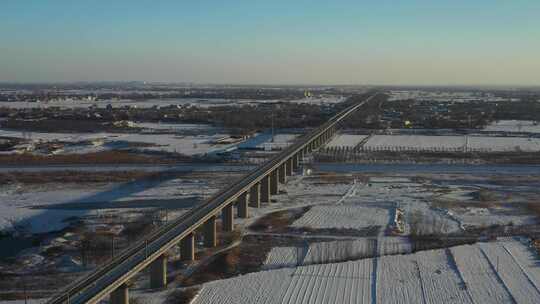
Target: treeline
{"x":240,"y":119}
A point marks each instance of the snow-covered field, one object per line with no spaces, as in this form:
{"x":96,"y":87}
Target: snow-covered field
{"x":359,"y":205}
{"x":149,"y":103}
{"x":501,"y":272}
{"x":484,"y":217}
{"x":336,"y":251}
{"x":514,"y":126}
{"x":343,"y":217}
{"x":43,"y":208}
{"x":346,"y":140}
{"x":503,"y":144}
{"x":187,"y":139}
{"x":445,"y":96}
{"x":416,"y":142}
{"x":264,"y":141}
{"x":452,"y":143}
{"x":96,"y":142}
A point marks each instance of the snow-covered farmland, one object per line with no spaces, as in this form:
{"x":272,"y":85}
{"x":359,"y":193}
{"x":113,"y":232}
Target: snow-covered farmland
{"x":343,"y":217}
{"x":463,"y":274}
{"x":445,"y":96}
{"x":485,"y":217}
{"x":503,"y":144}
{"x":336,"y":251}
{"x":452,"y":143}
{"x":264,"y":141}
{"x":164,"y":102}
{"x":346,"y":140}
{"x":415,"y":142}
{"x":43,"y":208}
{"x":514,"y":126}
{"x":96,"y":142}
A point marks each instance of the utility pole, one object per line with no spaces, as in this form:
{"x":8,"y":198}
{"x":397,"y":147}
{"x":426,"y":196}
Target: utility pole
{"x":272,"y":123}
{"x":112,"y":246}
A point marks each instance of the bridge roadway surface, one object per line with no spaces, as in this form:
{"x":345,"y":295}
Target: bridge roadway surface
{"x":105,"y":279}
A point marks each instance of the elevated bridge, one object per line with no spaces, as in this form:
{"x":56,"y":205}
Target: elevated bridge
{"x":249,"y":191}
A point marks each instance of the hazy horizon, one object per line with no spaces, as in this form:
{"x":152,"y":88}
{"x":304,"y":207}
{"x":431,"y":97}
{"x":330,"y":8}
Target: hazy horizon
{"x":418,"y":43}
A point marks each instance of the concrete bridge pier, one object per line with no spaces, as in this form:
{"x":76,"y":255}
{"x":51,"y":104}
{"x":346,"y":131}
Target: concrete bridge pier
{"x":255,"y":196}
{"x":227,"y":218}
{"x":274,"y":188}
{"x":295,"y":162}
{"x":209,"y":230}
{"x":282,"y":177}
{"x":158,"y":272}
{"x":265,"y":189}
{"x":187,"y":248}
{"x":289,"y":167}
{"x":120,"y":295}
{"x":242,"y":205}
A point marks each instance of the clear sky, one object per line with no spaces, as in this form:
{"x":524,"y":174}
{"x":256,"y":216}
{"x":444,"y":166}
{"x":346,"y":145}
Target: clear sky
{"x":425,"y":42}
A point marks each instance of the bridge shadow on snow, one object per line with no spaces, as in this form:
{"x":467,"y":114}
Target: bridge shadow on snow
{"x":48,"y":219}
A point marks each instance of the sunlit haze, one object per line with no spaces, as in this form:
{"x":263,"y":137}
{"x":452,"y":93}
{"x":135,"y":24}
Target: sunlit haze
{"x":476,"y":42}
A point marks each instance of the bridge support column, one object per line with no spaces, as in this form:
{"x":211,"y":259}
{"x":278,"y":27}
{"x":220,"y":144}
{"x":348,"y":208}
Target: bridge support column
{"x":255,"y":195}
{"x":187,"y":248}
{"x":227,"y":218}
{"x":242,"y":205}
{"x":274,"y":182}
{"x":295,"y":162}
{"x":265,"y":189}
{"x":158,"y":272}
{"x":289,"y":166}
{"x":120,"y":295}
{"x":210,"y":235}
{"x":282,"y":177}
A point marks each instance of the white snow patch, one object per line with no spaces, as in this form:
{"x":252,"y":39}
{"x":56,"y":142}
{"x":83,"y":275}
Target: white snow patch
{"x":346,"y":140}
{"x":343,"y":216}
{"x":514,"y":126}
{"x":423,"y":277}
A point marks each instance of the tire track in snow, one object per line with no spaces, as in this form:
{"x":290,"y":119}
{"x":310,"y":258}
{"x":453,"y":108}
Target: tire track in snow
{"x":525,"y":273}
{"x":421,"y":281}
{"x":453,"y":266}
{"x":527,"y":259}
{"x":374,"y":273}
{"x":497,"y":274}
{"x":479,"y":277}
{"x":515,"y":281}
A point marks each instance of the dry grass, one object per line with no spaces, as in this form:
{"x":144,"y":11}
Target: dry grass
{"x":181,"y":296}
{"x":71,"y":176}
{"x":456,"y":205}
{"x":278,"y":221}
{"x":105,"y":157}
{"x":224,"y":265}
{"x":484,"y":195}
{"x":534,"y":208}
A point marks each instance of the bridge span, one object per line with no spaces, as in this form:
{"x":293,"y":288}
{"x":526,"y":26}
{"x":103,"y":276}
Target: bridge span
{"x":249,"y":191}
